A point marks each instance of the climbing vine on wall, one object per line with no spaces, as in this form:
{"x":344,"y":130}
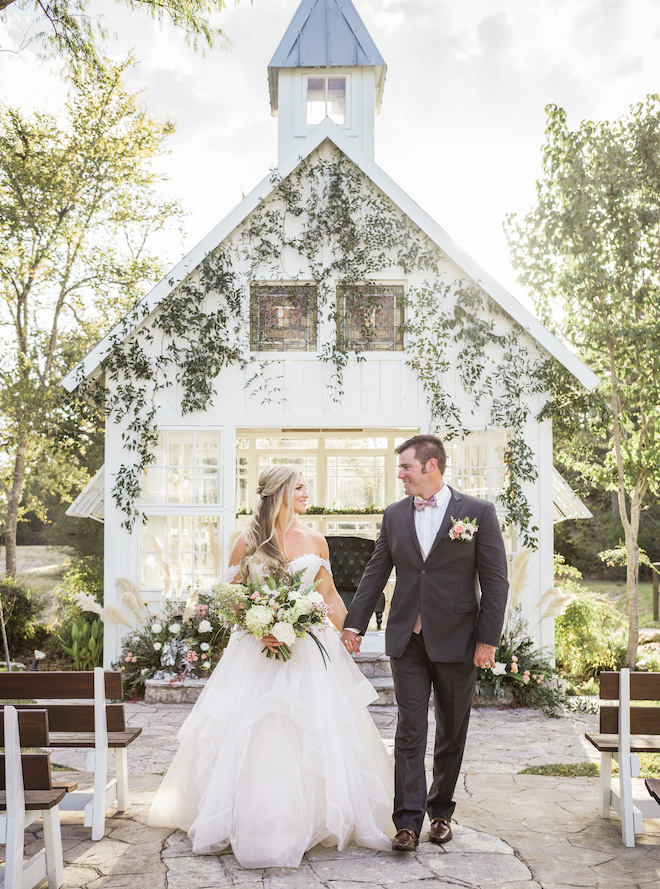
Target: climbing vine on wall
{"x":325,"y":223}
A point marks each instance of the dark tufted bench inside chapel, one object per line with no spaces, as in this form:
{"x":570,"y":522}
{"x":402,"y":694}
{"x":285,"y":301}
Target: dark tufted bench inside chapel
{"x":349,"y":557}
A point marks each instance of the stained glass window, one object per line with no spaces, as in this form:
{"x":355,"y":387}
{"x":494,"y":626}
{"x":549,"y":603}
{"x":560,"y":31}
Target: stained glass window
{"x":370,"y":318}
{"x":282,"y":318}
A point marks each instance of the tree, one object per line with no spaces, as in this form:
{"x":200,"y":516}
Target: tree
{"x":78,"y":208}
{"x":66,"y":29}
{"x":589,"y":252}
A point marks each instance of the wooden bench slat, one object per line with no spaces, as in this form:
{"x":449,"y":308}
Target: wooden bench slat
{"x":638,"y":743}
{"x":58,"y":685}
{"x":32,"y":727}
{"x":86,"y":739}
{"x":643,"y":720}
{"x":78,"y":717}
{"x":36,"y":771}
{"x":37,"y":799}
{"x":643,"y":686}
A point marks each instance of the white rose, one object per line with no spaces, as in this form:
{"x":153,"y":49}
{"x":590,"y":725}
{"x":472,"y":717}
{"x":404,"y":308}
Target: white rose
{"x":206,"y":666}
{"x":156,"y":628}
{"x":205,"y":626}
{"x":205,"y":646}
{"x":284,"y":632}
{"x":499,"y":669}
{"x":316,"y":598}
{"x":157,"y":646}
{"x":174,"y":628}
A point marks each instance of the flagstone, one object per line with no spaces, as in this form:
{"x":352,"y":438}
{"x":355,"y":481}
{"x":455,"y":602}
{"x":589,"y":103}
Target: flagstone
{"x":197,"y":873}
{"x":383,"y":870}
{"x":479,"y":869}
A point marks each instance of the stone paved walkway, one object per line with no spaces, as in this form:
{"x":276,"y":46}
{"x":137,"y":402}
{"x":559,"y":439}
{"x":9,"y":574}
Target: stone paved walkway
{"x":511,"y":831}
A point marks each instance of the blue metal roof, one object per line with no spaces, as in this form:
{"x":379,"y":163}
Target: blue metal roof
{"x":324,"y":33}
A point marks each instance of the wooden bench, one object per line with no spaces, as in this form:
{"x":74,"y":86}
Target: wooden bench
{"x":624,"y":732}
{"x":26,"y":794}
{"x":98,"y":727}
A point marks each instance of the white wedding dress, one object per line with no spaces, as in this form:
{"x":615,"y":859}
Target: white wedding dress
{"x":277,"y":757}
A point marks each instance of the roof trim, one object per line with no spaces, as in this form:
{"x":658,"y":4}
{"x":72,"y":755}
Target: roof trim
{"x":327,"y":129}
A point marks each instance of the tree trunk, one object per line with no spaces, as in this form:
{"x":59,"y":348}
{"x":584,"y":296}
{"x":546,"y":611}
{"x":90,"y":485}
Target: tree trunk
{"x":14,"y":502}
{"x":631,"y":529}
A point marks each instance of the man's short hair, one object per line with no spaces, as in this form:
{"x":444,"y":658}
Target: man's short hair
{"x":426,"y":448}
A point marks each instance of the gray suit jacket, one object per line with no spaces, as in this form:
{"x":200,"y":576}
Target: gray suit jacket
{"x":460,"y":590}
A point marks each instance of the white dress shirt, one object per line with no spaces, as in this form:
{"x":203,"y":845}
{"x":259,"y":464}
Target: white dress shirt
{"x":427,"y":525}
{"x":429,"y":519}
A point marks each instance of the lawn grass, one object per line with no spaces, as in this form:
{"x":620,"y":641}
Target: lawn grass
{"x":616,"y":591}
{"x":649,"y":767}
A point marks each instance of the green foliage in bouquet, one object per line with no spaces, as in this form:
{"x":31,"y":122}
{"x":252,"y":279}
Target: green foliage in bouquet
{"x":184,"y":641}
{"x":86,"y":649}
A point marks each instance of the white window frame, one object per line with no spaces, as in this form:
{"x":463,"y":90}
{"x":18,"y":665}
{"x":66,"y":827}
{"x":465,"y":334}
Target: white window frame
{"x":305,"y":127}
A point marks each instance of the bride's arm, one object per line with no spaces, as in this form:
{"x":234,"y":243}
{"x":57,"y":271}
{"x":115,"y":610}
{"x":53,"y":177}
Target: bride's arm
{"x":234,"y":561}
{"x":327,"y":589}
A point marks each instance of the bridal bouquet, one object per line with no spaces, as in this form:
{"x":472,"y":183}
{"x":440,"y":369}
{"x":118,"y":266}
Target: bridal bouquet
{"x":279,"y":606}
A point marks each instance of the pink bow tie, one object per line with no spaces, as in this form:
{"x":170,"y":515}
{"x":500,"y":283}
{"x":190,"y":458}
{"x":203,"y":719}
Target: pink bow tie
{"x":422,"y":504}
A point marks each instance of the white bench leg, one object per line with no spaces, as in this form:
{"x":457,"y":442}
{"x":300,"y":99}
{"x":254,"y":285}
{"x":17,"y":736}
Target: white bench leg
{"x":14,"y":854}
{"x":605,"y":788}
{"x":53,"y":844}
{"x":121,"y":770}
{"x":100,"y":784}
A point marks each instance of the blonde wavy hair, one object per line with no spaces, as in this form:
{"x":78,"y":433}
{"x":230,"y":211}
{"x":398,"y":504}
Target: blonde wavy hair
{"x":262,"y":547}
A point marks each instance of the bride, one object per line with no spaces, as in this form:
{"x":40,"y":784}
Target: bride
{"x":278,"y":756}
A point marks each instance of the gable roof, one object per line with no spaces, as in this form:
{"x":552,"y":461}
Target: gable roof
{"x":327,"y":129}
{"x":326,"y":34}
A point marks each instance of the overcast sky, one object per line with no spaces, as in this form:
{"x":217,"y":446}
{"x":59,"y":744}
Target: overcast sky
{"x":462,"y":120}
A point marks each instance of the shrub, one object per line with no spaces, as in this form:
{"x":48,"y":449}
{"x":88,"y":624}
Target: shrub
{"x":81,"y":576}
{"x":589,"y":636}
{"x":21,"y":607}
{"x":174,"y":645}
{"x":86,"y":650}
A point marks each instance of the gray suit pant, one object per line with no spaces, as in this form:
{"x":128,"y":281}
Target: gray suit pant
{"x":453,"y":684}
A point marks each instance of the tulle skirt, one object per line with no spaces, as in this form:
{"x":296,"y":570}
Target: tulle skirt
{"x":277,"y":757}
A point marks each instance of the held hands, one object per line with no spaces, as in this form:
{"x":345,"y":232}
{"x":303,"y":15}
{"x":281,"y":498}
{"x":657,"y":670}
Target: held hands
{"x":351,"y":641}
{"x":271,"y":643}
{"x":484,"y":655}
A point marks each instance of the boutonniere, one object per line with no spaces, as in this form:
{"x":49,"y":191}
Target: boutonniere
{"x":463,"y":529}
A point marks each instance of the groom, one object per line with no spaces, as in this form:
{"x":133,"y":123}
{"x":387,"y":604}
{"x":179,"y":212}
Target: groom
{"x":445,"y":620}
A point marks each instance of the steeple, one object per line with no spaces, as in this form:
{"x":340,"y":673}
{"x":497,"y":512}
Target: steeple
{"x":326,"y":65}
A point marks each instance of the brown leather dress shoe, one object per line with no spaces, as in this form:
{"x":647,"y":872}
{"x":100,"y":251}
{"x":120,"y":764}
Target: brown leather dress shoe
{"x":440,"y":831}
{"x":405,"y":841}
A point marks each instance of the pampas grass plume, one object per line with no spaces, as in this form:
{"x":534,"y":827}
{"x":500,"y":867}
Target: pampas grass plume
{"x":519,"y":575}
{"x":87,"y":603}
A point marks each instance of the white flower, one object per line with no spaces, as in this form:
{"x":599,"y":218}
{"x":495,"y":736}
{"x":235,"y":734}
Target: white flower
{"x":174,"y":628}
{"x":284,"y":632}
{"x":156,"y":628}
{"x":205,"y":626}
{"x":205,"y":646}
{"x":499,"y":669}
{"x":206,"y":666}
{"x":316,"y":598}
{"x":39,"y":655}
{"x":157,"y":646}
{"x":259,"y":620}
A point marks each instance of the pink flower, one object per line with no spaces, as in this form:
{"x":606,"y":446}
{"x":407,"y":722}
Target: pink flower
{"x":129,"y":657}
{"x":191,"y":656}
{"x":255,"y":596}
{"x":526,"y":677}
{"x":514,"y":658}
{"x":458,"y":528}
{"x":203,"y":657}
{"x":539,"y":679}
{"x":134,"y":660}
{"x":514,"y":667}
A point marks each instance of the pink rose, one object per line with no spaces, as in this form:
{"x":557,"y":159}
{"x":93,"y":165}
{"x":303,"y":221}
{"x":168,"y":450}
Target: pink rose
{"x":459,"y":528}
{"x":254,"y":596}
{"x":514,"y":667}
{"x":129,"y":657}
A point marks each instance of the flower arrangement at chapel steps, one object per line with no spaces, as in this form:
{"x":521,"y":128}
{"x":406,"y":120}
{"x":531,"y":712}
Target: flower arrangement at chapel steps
{"x":183,"y":641}
{"x":279,"y":606}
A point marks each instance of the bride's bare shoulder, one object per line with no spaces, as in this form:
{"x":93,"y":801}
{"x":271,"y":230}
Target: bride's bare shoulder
{"x":317,"y":543}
